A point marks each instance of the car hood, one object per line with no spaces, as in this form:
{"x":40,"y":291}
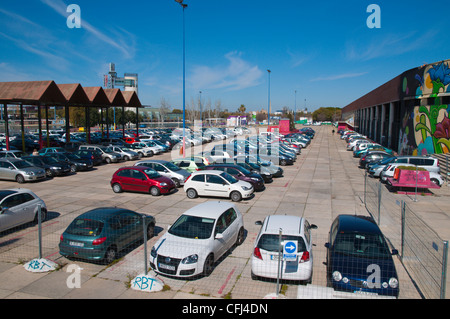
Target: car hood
{"x":183,"y":173}
{"x":163,"y":179}
{"x":31,"y":169}
{"x":179,"y":247}
{"x":357,"y":267}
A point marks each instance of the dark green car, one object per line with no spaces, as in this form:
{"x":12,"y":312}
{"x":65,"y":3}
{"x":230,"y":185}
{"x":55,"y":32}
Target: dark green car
{"x":100,"y":234}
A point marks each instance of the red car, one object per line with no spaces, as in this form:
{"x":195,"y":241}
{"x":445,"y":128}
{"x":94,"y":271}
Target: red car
{"x":141,"y":179}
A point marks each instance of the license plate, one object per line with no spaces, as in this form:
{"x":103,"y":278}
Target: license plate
{"x":168,"y":267}
{"x":359,"y":292}
{"x":76,"y":244}
{"x":274,"y":257}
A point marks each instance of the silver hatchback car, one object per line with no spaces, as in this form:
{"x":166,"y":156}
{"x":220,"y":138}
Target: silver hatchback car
{"x":167,"y":169}
{"x":20,"y":171}
{"x":18,"y":207}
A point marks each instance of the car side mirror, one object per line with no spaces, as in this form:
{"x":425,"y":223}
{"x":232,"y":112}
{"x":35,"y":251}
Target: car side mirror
{"x":394,"y":252}
{"x":218,"y":236}
{"x":327,"y":245}
{"x":313,"y":226}
{"x":258,"y":222}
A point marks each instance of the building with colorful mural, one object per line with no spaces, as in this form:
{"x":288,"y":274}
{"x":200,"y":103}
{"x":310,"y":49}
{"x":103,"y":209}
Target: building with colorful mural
{"x":410,"y":113}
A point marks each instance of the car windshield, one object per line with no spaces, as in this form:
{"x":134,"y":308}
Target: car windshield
{"x":229,"y":178}
{"x":192,"y":227}
{"x":73,"y":156}
{"x":22,"y":164}
{"x":85,"y":227}
{"x":361,"y":245}
{"x":271,"y":242}
{"x":172,"y":167}
{"x":151,"y":173}
{"x":49,"y":160}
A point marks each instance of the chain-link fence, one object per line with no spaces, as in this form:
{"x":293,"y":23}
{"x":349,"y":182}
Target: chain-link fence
{"x":422,"y":252}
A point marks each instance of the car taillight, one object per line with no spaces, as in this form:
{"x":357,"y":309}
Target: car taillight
{"x":305,"y":257}
{"x":61,"y":238}
{"x":99,"y":241}
{"x":187,"y":178}
{"x":364,"y":158}
{"x":257,"y":253}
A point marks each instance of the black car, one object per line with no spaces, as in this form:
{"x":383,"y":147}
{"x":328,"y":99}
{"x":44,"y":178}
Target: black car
{"x":95,"y":156}
{"x":52,"y":166}
{"x":76,"y":163}
{"x":240,"y":173}
{"x":373,"y":156}
{"x":255,"y":168}
{"x":359,"y":260}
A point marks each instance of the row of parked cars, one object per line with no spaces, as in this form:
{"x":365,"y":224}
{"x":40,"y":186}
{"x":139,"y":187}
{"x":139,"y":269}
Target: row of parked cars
{"x":235,"y":170}
{"x":380,"y":162}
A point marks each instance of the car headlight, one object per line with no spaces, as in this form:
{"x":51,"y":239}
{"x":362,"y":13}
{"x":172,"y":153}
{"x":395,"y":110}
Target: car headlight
{"x":337,"y":276}
{"x":29,"y":173}
{"x":255,"y":179}
{"x":192,"y":259}
{"x":393,"y":282}
{"x":153,"y":252}
{"x":163,"y":184}
{"x":245,"y":188}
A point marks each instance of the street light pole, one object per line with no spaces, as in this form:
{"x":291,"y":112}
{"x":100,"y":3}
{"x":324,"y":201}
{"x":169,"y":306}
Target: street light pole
{"x":184,"y":6}
{"x":268,"y":104}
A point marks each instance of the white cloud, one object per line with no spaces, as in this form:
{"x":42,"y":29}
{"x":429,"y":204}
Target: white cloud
{"x":120,"y":44}
{"x":238,"y":74}
{"x":338,"y":77}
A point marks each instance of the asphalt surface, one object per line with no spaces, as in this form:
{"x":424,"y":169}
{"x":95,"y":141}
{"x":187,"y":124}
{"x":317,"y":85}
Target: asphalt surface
{"x":323,"y":183}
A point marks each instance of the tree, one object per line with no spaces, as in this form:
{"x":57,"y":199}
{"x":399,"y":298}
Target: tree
{"x":164,"y":109}
{"x":242,"y":109}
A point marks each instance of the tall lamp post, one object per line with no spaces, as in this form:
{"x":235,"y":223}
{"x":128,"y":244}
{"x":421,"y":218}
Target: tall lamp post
{"x":184,"y":6}
{"x":268,"y":103}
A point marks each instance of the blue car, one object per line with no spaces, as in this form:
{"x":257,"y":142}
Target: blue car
{"x":359,"y":259}
{"x":100,"y":234}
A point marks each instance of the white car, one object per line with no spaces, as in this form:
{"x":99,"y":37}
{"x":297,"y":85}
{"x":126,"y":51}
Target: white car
{"x":266,"y":248}
{"x":218,"y":184}
{"x":19,"y":206}
{"x":150,"y":150}
{"x":197,"y":239}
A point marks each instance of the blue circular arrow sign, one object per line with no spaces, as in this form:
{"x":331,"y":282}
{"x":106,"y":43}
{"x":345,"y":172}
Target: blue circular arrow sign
{"x":290,"y":247}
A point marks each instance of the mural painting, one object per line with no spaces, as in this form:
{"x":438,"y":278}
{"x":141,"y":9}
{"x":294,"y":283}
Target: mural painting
{"x":425,"y":129}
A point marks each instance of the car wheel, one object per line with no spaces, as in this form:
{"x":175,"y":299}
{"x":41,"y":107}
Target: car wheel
{"x":117,"y":188}
{"x":191,"y":193}
{"x":127,"y":158}
{"x":151,"y":153}
{"x":20,"y":179}
{"x":208,"y":266}
{"x":43,"y":215}
{"x":73,"y":169}
{"x":110,"y":255}
{"x":140,"y":155}
{"x":434,"y":180}
{"x":240,"y":237}
{"x":49,"y":173}
{"x":154,"y":191}
{"x":283,"y":162}
{"x":236,"y":196}
{"x":150,"y":231}
{"x":176,"y":181}
{"x":108,"y":160}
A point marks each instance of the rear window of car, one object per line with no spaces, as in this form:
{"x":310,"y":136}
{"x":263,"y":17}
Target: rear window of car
{"x":85,"y":227}
{"x":270,"y":242}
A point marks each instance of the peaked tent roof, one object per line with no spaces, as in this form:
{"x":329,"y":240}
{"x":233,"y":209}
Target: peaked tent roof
{"x":97,"y":96}
{"x":131,"y":99}
{"x":31,"y":92}
{"x":115,"y":97}
{"x":74,"y":94}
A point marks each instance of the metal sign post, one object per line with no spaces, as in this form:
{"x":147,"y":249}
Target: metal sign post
{"x":279,"y":261}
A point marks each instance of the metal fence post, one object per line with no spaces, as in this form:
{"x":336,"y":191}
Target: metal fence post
{"x":40,"y":230}
{"x":379,"y":203}
{"x":145,"y":245}
{"x":279,"y":260}
{"x":403,"y":217}
{"x":444,"y":269}
{"x":365,"y":191}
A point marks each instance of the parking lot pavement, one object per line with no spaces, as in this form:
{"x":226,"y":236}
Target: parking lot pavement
{"x":323,"y":183}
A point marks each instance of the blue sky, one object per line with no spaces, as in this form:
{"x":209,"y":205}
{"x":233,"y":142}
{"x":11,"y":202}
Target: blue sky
{"x":324,"y":50}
